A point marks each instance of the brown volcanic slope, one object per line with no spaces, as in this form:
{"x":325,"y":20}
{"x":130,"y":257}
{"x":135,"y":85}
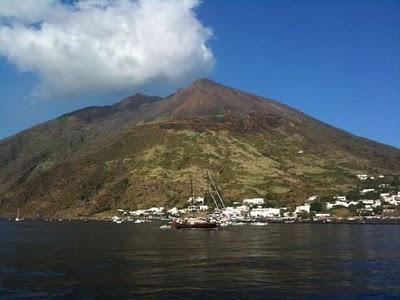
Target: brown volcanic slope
{"x":206,"y":97}
{"x":143,"y":150}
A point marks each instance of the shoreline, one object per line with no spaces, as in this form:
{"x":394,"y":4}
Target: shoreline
{"x":395,"y":221}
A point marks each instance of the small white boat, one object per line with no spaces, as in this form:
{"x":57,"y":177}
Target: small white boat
{"x":165,"y":227}
{"x":259,"y":223}
{"x":117,"y":220}
{"x":224,"y":224}
{"x":289,"y":221}
{"x":17,"y":219}
{"x":138,"y":221}
{"x":238,"y":224}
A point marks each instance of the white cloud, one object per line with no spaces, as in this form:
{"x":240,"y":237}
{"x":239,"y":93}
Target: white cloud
{"x":94,"y":46}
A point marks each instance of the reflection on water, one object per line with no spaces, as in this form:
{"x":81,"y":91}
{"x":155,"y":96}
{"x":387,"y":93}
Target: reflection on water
{"x":96,"y":259}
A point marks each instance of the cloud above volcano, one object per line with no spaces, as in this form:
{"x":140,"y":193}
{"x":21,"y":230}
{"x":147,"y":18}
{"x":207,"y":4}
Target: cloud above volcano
{"x":94,"y":46}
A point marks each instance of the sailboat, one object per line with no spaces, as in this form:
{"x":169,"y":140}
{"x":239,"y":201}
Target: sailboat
{"x":17,"y":219}
{"x":194,"y":222}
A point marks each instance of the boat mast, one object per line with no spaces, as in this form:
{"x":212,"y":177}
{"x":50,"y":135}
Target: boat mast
{"x":216,"y":190}
{"x":212,"y":195}
{"x":212,"y":189}
{"x":191,"y":190}
{"x":210,"y":192}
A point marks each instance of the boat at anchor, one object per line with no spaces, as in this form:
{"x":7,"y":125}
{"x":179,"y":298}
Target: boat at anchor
{"x":198,"y":218}
{"x":194,"y":223}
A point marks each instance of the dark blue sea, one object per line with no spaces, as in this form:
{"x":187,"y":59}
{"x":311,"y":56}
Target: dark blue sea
{"x":103,"y":260}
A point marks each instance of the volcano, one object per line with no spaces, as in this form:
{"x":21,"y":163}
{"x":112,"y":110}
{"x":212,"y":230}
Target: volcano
{"x":143,"y":150}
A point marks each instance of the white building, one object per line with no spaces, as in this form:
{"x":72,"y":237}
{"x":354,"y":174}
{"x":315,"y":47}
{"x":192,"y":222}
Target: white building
{"x":231,"y":211}
{"x":322,"y":216}
{"x":377,"y":203}
{"x":203,"y":207}
{"x":287,"y":215}
{"x":265,"y":212}
{"x":393,"y":200}
{"x":173,"y":211}
{"x":364,"y":191}
{"x":330,"y":205}
{"x":193,"y":208}
{"x":183,"y":211}
{"x":196,"y":200}
{"x":371,"y":203}
{"x":115,"y":218}
{"x":362,"y":176}
{"x":365,"y":210}
{"x":367,"y":201}
{"x":139,"y":212}
{"x":254,"y":201}
{"x":156,"y":210}
{"x":303,"y":208}
{"x":341,"y":198}
{"x":243,"y":209}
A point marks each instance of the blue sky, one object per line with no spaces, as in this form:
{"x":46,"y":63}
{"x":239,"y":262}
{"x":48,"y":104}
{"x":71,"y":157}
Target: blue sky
{"x":337,"y":61}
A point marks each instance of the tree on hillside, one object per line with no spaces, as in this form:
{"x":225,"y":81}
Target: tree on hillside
{"x":317,"y":206}
{"x":371,"y":195}
{"x":353,"y":195}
